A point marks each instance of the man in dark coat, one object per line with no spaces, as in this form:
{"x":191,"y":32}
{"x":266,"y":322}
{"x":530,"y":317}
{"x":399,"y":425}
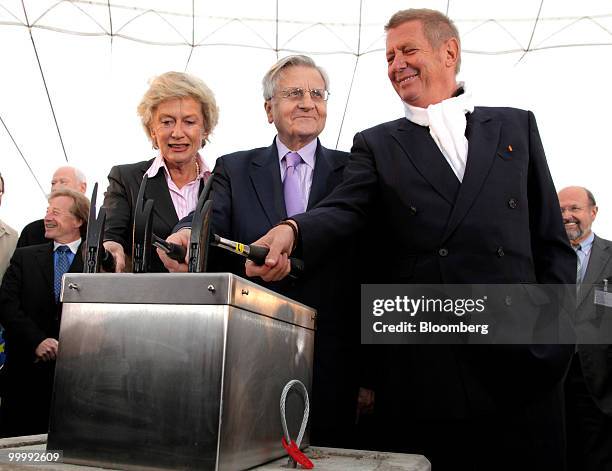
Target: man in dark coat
{"x":251,"y":194}
{"x":30,"y":311}
{"x":588,"y":385}
{"x":465,"y":193}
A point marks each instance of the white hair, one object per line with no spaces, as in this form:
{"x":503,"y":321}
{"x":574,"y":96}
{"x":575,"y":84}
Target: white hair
{"x":80,"y":176}
{"x":270,"y":80}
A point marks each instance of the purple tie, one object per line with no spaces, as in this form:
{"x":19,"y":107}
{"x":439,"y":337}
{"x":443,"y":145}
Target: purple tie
{"x":291,"y":186}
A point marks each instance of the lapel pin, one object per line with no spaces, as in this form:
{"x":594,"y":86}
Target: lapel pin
{"x":509,"y":148}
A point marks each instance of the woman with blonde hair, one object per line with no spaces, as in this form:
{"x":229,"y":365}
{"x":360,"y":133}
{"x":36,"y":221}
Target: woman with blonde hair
{"x":178,"y":112}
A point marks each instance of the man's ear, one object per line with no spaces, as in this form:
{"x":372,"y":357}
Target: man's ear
{"x":451,"y":51}
{"x":268,"y":108}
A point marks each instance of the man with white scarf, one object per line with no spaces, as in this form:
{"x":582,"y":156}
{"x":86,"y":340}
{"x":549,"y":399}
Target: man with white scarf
{"x":466,"y":193}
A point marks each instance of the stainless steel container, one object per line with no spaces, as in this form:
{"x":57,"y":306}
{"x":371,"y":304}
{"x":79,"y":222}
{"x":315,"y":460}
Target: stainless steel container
{"x":176,"y":371}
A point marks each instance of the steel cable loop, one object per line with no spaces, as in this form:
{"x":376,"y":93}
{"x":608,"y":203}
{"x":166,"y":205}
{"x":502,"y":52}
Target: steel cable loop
{"x":283,"y":398}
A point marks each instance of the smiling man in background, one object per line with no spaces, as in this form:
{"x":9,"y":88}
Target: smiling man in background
{"x":64,"y":177}
{"x":588,"y":386}
{"x":30,"y":313}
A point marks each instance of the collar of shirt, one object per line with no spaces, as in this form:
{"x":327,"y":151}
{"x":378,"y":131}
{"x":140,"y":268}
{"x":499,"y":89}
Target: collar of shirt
{"x":184,"y":199}
{"x":421,"y":116}
{"x":160,"y":162}
{"x":73,"y":246}
{"x":5,"y":228}
{"x":587,"y":244}
{"x":307,"y":153}
{"x":447,"y":124}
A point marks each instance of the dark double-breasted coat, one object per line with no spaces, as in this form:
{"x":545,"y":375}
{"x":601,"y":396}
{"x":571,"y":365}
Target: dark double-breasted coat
{"x":460,"y":405}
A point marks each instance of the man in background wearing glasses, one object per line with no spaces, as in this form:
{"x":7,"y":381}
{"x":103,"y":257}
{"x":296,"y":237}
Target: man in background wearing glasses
{"x":253,"y":190}
{"x":588,"y":386}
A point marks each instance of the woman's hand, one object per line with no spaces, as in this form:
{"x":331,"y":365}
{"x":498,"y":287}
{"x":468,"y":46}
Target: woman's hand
{"x":116,"y":250}
{"x":182,"y":238}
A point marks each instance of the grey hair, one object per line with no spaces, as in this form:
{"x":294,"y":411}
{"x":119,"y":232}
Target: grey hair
{"x":79,"y":208}
{"x":437,"y":27}
{"x":270,"y":80}
{"x":79,"y":176}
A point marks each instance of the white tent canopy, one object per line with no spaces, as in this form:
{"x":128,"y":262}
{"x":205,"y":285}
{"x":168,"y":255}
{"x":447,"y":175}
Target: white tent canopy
{"x":74,"y":72}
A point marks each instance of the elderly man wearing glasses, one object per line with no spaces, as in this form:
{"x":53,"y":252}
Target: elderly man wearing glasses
{"x":253,"y":190}
{"x":257,"y":188}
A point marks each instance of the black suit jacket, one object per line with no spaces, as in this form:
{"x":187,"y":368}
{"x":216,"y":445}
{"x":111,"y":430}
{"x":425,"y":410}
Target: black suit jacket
{"x":501,"y":225}
{"x":596,"y":360}
{"x":33,"y":234}
{"x":248,"y":201}
{"x":248,"y":193}
{"x":120,"y":200}
{"x":29,"y":314}
{"x":28,"y":310}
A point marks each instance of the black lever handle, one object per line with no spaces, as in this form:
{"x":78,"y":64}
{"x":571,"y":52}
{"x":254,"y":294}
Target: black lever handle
{"x":256,"y":253}
{"x":174,"y":251}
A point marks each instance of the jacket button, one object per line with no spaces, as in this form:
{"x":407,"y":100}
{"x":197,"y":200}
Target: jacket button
{"x":412,"y":210}
{"x":513,"y":203}
{"x":443,"y":252}
{"x":500,"y":252}
{"x":508,"y":300}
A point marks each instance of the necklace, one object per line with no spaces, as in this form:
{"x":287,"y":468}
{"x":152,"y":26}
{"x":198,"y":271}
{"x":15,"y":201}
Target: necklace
{"x":197,"y":169}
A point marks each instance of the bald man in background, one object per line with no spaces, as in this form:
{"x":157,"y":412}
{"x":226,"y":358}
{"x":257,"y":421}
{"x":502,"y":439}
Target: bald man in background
{"x":588,"y":386}
{"x":64,"y":177}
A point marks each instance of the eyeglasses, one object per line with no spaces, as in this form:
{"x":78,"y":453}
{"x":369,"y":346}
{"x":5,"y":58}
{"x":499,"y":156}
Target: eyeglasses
{"x":571,"y":209}
{"x":297,"y":94}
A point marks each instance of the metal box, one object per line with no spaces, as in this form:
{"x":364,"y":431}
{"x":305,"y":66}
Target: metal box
{"x":176,"y":371}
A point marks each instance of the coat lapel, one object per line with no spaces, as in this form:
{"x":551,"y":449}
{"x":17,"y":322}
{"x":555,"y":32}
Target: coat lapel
{"x":483,"y":137}
{"x":77,"y":263}
{"x":157,"y":190}
{"x":45,"y":260}
{"x":325,"y":166}
{"x":600,"y":256}
{"x":264,"y":172}
{"x":418,"y":145}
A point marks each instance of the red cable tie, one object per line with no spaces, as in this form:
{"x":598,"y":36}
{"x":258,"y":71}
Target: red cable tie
{"x":297,"y":454}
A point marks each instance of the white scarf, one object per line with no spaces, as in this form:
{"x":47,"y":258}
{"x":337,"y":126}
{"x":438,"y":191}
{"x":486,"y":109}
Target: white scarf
{"x":447,"y":122}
